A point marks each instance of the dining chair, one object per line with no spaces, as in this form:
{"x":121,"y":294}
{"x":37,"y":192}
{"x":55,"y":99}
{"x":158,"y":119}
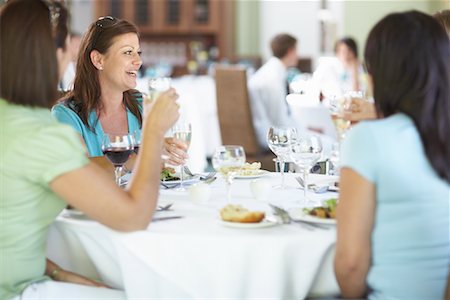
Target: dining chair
{"x":235,"y":116}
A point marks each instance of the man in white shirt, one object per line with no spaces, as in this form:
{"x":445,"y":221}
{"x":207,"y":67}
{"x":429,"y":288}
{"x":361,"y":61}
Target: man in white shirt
{"x":268,"y":88}
{"x":66,"y":83}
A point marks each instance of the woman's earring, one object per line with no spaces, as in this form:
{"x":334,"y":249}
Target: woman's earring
{"x":100,"y":68}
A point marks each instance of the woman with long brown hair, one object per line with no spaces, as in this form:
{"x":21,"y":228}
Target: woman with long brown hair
{"x":43,"y":164}
{"x":103,"y":100}
{"x":393,"y":226}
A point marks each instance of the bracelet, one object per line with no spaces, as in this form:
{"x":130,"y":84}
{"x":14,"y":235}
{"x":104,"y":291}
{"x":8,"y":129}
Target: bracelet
{"x":54,"y":273}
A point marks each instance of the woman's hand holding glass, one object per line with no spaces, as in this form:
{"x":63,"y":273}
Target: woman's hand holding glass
{"x":305,"y":151}
{"x":227,"y":160}
{"x":182,"y":132}
{"x":279,"y":140}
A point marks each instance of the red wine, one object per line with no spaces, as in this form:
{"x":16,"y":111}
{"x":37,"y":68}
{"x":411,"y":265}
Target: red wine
{"x":136,"y":149}
{"x":118,"y":156}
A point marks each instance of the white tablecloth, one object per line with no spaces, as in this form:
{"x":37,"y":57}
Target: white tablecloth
{"x":196,"y":257}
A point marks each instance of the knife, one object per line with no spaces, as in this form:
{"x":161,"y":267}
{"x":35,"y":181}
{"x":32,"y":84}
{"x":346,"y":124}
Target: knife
{"x":166,"y":218}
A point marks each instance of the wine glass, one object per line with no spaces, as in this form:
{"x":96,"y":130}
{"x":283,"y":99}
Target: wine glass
{"x":183,"y":132}
{"x":279,"y":140}
{"x":228,"y":160}
{"x":117,"y":148}
{"x":305,"y":151}
{"x":158,"y":85}
{"x":136,"y":139}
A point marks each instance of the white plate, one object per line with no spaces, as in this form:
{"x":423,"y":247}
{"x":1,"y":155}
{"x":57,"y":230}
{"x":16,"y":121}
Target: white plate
{"x":256,"y":174}
{"x":187,"y":181}
{"x":299,"y":215}
{"x":262,"y":224}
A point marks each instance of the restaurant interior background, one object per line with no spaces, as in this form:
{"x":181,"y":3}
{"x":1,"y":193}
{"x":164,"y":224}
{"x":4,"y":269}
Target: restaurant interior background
{"x":190,"y":34}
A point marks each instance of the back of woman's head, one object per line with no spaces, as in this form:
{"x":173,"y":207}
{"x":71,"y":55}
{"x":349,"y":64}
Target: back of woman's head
{"x":99,"y":37}
{"x":408,"y":56}
{"x":30,"y":32}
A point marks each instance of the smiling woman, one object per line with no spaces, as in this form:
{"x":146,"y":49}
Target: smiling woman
{"x":103,"y":100}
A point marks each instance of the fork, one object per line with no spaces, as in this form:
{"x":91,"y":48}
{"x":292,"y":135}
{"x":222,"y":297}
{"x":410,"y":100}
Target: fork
{"x":168,"y":187}
{"x":286,"y":219}
{"x":164,"y":207}
{"x":205,"y":178}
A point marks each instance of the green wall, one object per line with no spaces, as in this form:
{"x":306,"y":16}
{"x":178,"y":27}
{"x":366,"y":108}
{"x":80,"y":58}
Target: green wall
{"x":361,"y":16}
{"x":247,"y":27}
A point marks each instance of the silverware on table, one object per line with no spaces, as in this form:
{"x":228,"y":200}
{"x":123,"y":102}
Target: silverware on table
{"x":286,"y":219}
{"x":318,"y":189}
{"x":166,"y":218}
{"x":164,"y":207}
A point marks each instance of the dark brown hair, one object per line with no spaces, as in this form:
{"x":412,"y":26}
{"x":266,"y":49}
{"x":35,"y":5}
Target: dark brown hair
{"x":350,"y":43}
{"x":408,"y":56}
{"x":281,"y":44}
{"x":443,"y":17}
{"x":29,"y":36}
{"x":86,"y":93}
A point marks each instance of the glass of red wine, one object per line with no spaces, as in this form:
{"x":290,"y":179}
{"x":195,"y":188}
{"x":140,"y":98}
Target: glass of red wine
{"x":117,"y":148}
{"x":136,"y":140}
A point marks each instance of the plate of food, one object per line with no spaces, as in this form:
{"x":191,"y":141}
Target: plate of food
{"x":325,"y":214}
{"x":170,"y":178}
{"x":249,"y":171}
{"x":236,"y":216}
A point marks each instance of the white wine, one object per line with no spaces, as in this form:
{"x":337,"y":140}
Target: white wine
{"x":184,"y":136}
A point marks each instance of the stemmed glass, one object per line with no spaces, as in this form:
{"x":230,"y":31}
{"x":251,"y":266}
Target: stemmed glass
{"x":136,"y":139}
{"x":158,"y":85}
{"x":279,"y":140}
{"x":117,"y":148}
{"x":305,"y":152}
{"x":228,"y":160}
{"x":182,"y":131}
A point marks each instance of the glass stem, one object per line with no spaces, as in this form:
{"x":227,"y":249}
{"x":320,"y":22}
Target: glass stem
{"x":229,"y":188}
{"x":282,"y":164}
{"x":305,"y":182}
{"x":118,"y":173}
{"x":182,"y":176}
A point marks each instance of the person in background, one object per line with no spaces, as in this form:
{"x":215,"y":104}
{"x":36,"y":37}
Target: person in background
{"x":268,"y":88}
{"x":43,"y":164}
{"x":443,"y":17}
{"x":393,"y":213}
{"x":342,"y":74}
{"x":66,"y":83}
{"x":103,"y":99}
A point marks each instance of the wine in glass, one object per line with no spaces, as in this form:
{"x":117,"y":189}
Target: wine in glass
{"x":117,"y":148}
{"x":305,"y":151}
{"x":136,"y":139}
{"x":279,"y":140}
{"x":158,"y":85}
{"x":228,"y":160}
{"x":183,"y":132}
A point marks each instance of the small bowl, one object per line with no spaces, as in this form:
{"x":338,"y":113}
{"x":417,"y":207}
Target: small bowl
{"x":200,"y":193}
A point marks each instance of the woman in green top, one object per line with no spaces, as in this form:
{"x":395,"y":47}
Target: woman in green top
{"x":43,"y":164}
{"x":103,"y":100}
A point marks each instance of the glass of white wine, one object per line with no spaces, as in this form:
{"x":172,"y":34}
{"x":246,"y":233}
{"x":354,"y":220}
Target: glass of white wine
{"x":158,"y":85}
{"x":227,"y":160}
{"x":182,"y":131}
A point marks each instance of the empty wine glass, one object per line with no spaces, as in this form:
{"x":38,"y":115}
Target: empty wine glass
{"x":182,"y":131}
{"x":305,"y":151}
{"x":279,"y":140}
{"x":117,"y":148}
{"x":227,"y":160}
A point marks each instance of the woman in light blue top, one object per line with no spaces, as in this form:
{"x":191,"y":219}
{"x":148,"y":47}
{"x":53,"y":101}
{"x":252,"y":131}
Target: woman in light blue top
{"x":393,"y":214}
{"x":103,"y":100}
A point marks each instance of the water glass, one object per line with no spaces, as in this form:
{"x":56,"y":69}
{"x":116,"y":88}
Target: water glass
{"x":279,"y":140}
{"x":158,"y":85}
{"x":305,"y":151}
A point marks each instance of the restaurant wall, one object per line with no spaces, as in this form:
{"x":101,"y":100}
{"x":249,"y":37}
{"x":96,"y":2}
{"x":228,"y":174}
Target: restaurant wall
{"x":361,"y":16}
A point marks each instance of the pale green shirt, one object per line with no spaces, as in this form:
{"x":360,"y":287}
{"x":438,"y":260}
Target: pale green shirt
{"x":34,"y":150}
